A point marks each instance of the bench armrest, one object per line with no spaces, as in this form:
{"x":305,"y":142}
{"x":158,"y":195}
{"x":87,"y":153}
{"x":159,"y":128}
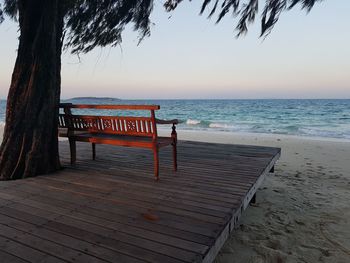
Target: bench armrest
{"x":174,"y":121}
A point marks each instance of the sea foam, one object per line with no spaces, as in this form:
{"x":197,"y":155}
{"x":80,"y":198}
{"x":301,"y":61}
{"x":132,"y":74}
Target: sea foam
{"x":192,"y":122}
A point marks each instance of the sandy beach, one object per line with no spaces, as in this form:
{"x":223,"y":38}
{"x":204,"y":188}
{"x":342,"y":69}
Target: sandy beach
{"x":302,"y":212}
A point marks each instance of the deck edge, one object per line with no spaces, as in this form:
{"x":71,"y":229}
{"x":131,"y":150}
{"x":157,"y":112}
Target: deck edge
{"x":220,"y":241}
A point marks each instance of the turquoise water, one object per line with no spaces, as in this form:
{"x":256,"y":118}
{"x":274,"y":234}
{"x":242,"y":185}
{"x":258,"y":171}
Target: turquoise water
{"x":315,"y":118}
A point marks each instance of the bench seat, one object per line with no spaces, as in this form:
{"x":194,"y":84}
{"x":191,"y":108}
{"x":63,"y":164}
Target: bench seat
{"x":121,"y":140}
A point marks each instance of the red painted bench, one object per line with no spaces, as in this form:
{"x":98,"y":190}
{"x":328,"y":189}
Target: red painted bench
{"x":116,"y":130}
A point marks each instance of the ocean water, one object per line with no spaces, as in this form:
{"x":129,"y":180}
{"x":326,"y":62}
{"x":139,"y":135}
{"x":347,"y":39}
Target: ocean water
{"x":2,"y":111}
{"x":313,"y":118}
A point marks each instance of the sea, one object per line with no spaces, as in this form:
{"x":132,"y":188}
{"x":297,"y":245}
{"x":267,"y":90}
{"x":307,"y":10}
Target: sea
{"x":326,"y":118}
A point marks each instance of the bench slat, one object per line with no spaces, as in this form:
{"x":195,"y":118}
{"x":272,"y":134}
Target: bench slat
{"x":108,"y":124}
{"x":110,"y":107}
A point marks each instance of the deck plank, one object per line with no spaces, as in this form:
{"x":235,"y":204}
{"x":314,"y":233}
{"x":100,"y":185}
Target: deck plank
{"x":8,"y":258}
{"x":111,"y":208}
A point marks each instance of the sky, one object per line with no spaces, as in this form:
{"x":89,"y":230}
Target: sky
{"x":190,"y":57}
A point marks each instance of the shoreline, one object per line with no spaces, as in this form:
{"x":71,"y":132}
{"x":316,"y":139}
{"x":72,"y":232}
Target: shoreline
{"x":231,"y":137}
{"x":217,"y":136}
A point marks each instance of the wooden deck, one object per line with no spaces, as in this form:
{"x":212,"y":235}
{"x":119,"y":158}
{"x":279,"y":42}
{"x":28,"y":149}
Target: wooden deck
{"x":111,"y":209}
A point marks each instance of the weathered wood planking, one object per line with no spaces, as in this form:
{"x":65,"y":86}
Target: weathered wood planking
{"x":110,"y":210}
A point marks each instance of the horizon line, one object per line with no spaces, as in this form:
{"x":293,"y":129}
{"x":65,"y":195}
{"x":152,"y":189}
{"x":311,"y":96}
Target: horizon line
{"x":106,"y":97}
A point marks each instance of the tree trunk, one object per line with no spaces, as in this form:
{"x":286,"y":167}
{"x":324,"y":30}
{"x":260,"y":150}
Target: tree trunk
{"x":30,"y":144}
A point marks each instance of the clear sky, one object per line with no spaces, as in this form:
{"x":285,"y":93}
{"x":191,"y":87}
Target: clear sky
{"x":188,"y":56}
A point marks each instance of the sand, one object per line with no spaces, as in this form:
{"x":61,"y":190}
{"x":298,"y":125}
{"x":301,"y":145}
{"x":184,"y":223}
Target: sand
{"x":302,"y":212}
{"x":1,"y":130}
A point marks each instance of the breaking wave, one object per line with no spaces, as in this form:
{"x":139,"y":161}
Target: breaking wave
{"x":192,"y":122}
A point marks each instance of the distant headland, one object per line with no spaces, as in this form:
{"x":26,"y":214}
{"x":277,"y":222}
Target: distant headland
{"x":92,"y":98}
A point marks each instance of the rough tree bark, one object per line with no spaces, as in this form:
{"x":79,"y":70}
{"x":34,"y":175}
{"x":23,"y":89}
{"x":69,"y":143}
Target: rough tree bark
{"x":30,"y":144}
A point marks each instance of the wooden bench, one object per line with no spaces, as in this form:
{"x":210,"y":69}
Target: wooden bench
{"x":116,"y":130}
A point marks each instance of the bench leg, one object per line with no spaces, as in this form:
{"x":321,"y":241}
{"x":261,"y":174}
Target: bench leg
{"x":175,"y":156}
{"x":174,"y":138}
{"x":272,"y":169}
{"x":73,"y":151}
{"x":93,"y":151}
{"x":156,"y":163}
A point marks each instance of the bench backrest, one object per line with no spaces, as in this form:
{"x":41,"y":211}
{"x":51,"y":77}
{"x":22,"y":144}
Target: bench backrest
{"x":122,"y":125}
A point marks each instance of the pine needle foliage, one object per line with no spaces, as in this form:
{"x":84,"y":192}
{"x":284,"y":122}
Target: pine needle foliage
{"x":99,"y":23}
